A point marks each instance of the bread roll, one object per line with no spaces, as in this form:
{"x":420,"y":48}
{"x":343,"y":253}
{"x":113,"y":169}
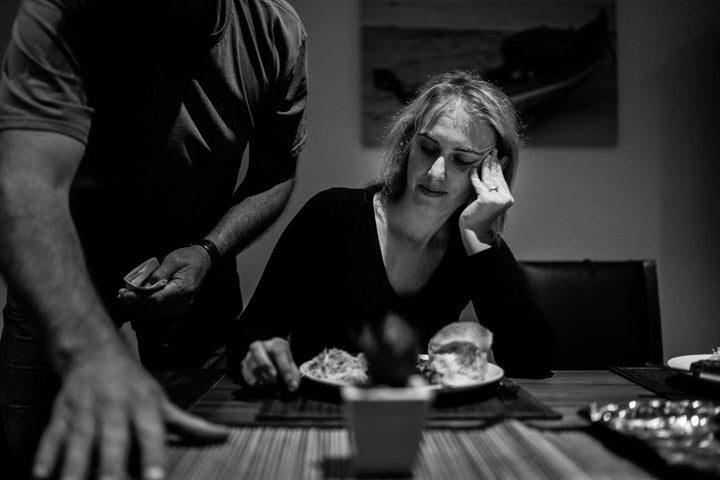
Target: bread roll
{"x":458,"y":333}
{"x":458,"y":354}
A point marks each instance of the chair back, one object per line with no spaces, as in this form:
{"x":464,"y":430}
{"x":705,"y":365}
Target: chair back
{"x":603,"y":312}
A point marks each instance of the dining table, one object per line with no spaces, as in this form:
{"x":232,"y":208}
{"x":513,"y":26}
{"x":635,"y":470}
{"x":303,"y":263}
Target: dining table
{"x":552,"y":436}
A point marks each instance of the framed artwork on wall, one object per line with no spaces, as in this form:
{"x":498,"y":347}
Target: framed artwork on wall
{"x":556,"y":59}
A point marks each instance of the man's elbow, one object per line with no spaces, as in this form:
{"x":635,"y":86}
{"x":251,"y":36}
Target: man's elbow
{"x":272,"y":190}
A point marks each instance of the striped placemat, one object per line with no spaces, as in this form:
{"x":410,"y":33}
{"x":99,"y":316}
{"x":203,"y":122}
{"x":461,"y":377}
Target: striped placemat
{"x":505,"y":450}
{"x":507,"y":401}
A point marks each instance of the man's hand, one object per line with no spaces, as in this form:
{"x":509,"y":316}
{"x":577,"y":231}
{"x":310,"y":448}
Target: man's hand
{"x":184,"y":269}
{"x":270,"y":360}
{"x":108,"y":404}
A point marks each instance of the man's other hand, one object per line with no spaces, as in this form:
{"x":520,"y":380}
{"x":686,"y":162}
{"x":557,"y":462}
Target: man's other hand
{"x":184,"y":270}
{"x":108,"y":405}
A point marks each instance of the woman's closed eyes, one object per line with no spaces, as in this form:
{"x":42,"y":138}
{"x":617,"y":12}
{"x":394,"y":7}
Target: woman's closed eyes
{"x":465,"y":160}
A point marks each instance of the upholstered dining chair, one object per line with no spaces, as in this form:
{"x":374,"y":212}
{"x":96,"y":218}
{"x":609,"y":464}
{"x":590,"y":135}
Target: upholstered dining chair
{"x":603,"y":312}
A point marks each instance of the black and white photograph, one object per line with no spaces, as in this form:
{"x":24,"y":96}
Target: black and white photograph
{"x":340,"y":239}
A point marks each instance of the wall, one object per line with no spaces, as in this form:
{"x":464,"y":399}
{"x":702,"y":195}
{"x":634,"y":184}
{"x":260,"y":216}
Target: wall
{"x":654,"y":195}
{"x":651,"y":196}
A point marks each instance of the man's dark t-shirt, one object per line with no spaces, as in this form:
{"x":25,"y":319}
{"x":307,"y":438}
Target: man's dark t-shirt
{"x":165,"y":112}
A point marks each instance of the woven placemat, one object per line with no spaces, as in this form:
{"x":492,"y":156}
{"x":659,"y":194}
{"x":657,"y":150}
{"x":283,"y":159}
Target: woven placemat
{"x":505,"y":450}
{"x":508,"y":400}
{"x":669,"y":383}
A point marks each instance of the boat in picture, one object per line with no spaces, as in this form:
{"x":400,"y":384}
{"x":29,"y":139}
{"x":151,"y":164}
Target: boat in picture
{"x":538,"y":64}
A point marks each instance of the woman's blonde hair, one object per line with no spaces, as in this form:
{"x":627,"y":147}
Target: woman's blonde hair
{"x":457,"y":89}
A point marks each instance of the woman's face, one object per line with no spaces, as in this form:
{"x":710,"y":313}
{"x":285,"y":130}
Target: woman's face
{"x":440,"y":159}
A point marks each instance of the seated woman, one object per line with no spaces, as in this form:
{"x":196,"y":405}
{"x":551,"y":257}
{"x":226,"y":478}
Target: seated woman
{"x":422,"y":242}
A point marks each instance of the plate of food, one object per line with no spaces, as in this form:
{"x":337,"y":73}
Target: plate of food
{"x":705,"y":367}
{"x":456,"y":362}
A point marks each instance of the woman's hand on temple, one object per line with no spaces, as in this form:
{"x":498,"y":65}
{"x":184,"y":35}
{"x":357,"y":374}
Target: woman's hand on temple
{"x":492,"y":197}
{"x":270,"y":360}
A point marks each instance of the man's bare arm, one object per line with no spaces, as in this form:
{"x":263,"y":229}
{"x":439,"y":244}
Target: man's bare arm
{"x":107,"y":401}
{"x":249,"y":219}
{"x":40,"y":252}
{"x":185,"y":269}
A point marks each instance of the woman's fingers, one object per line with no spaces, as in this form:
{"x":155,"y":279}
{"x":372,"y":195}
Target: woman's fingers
{"x":486,"y":169}
{"x":491,"y":173}
{"x":264,"y":368}
{"x":247,"y":369}
{"x":492,"y":178}
{"x":485,"y":182}
{"x":478,"y":185}
{"x":498,"y":177}
{"x":280,"y":351}
{"x":270,"y":360}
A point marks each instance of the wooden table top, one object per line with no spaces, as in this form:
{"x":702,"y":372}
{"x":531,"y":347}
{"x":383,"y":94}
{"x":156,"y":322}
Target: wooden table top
{"x":551,"y":449}
{"x":569,"y":391}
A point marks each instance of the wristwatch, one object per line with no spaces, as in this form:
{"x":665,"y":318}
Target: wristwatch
{"x":216,"y":259}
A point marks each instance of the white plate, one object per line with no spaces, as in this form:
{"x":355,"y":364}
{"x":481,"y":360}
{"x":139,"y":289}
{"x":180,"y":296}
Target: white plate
{"x":683,"y":362}
{"x":682,"y":365}
{"x":493,"y":374}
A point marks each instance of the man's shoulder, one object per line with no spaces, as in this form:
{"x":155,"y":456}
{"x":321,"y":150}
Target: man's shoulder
{"x":272,"y":27}
{"x":276,"y":12}
{"x":283,"y":9}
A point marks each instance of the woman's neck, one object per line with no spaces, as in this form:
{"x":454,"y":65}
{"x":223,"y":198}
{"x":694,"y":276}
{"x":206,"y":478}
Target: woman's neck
{"x":410,"y":225}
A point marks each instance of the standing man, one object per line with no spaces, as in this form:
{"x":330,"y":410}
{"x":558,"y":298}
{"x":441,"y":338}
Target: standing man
{"x":122,"y":129}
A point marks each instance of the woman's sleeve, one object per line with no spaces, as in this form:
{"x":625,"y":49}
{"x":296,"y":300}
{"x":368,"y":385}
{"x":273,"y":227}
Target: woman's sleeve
{"x":286,"y":281}
{"x":523,"y":341}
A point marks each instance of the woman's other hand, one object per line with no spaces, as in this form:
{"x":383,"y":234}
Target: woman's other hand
{"x":269,"y":362}
{"x":492,"y":198}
